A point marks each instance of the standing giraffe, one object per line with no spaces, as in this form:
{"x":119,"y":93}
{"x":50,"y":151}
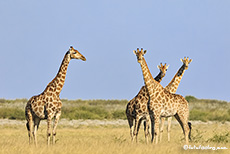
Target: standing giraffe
{"x":48,"y":105}
{"x":163,"y":103}
{"x":172,"y":88}
{"x":137,"y":108}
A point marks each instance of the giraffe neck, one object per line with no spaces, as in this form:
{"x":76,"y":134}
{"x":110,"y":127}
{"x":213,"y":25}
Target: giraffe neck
{"x":173,"y":85}
{"x":159,"y":77}
{"x":150,"y":82}
{"x":57,"y":83}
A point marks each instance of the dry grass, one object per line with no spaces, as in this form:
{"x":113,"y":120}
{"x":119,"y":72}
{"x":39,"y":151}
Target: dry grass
{"x":107,"y":139}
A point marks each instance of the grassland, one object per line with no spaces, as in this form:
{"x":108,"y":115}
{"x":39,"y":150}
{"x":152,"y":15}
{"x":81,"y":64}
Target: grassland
{"x":210,"y":127}
{"x":200,"y":109}
{"x":112,"y":139}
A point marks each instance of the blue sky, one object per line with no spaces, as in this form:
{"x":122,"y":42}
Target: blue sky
{"x":35,"y":35}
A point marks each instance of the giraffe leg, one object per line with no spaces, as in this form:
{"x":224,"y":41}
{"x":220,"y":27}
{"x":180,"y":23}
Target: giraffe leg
{"x":48,"y":130}
{"x":147,"y":128}
{"x":190,"y":130}
{"x":36,"y":125}
{"x":184,"y":125}
{"x":55,"y":125}
{"x":152,"y":127}
{"x":130,"y":121}
{"x":169,"y":127}
{"x":162,"y":127}
{"x":156,"y":126}
{"x":136,"y":128}
{"x":29,"y":124}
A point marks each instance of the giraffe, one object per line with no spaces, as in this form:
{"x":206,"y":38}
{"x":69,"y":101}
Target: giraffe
{"x":137,"y":108}
{"x":48,"y":105}
{"x":162,"y":103}
{"x":172,"y":88}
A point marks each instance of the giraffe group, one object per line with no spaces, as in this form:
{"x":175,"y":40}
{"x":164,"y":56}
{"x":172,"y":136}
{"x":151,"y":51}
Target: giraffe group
{"x":152,"y":103}
{"x":162,"y":103}
{"x":137,"y":108}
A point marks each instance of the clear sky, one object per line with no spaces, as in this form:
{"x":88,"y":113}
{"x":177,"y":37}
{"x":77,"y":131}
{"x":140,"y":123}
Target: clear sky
{"x":35,"y":35}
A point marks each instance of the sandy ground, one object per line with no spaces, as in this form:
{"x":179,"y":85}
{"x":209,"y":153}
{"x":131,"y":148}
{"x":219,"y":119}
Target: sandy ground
{"x":77,"y":123}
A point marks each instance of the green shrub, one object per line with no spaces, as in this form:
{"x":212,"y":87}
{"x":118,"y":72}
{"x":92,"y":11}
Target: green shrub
{"x":190,"y":98}
{"x":12,"y":113}
{"x":85,"y":112}
{"x":220,"y":138}
{"x":198,"y":115}
{"x":200,"y":109}
{"x":120,"y":114}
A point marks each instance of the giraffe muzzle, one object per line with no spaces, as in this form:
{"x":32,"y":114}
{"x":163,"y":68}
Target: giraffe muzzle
{"x":83,"y":58}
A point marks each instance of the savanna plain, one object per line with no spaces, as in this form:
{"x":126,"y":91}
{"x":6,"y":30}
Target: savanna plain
{"x":100,"y":126}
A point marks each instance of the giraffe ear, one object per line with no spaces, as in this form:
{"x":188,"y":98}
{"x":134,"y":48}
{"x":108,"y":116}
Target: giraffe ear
{"x":145,"y":51}
{"x":181,"y":60}
{"x":190,"y":61}
{"x":134,"y":51}
{"x":158,"y":67}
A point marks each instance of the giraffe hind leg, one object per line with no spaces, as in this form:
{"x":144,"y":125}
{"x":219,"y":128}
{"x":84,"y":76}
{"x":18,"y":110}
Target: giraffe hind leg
{"x":36,"y":125}
{"x":190,"y":130}
{"x":55,"y":125}
{"x":29,"y":124}
{"x":130,"y":121}
{"x":184,"y":125}
{"x":136,"y":127}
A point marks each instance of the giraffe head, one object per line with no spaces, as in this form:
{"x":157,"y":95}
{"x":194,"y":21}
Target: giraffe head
{"x":139,"y":54}
{"x":163,"y":68}
{"x":186,"y":61}
{"x":74,"y":54}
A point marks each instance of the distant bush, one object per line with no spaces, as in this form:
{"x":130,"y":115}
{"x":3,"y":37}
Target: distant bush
{"x":120,"y":114}
{"x":12,"y":113}
{"x":85,"y":112}
{"x":200,"y":109}
{"x":190,"y":98}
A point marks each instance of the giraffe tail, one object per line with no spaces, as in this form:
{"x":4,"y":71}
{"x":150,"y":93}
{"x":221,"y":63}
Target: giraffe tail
{"x":190,"y":129}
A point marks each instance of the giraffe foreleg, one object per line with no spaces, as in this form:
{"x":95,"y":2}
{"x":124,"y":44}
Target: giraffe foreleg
{"x":55,"y":125}
{"x":147,"y":128}
{"x":48,"y":130}
{"x":152,"y":127}
{"x":169,"y":127}
{"x":156,"y":126}
{"x":162,"y":127}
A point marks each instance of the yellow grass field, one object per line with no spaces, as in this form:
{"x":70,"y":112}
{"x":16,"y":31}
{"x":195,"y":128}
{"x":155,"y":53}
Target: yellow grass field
{"x":109,"y":139}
